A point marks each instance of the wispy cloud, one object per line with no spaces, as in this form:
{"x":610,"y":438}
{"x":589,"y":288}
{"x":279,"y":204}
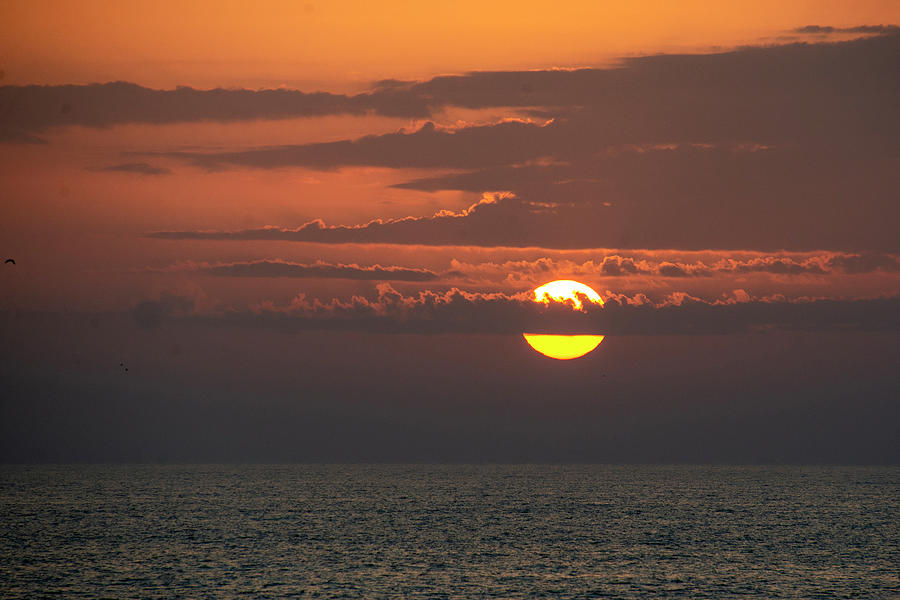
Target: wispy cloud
{"x":25,"y":110}
{"x":865,"y":29}
{"x":317,"y":270}
{"x":139,"y":168}
{"x":427,"y":147}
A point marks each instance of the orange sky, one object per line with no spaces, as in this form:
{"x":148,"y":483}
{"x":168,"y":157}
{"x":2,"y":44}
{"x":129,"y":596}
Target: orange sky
{"x":83,"y":229}
{"x":342,"y":45}
{"x":245,"y":249}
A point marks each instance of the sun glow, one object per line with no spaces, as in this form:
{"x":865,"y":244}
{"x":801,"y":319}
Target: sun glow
{"x":565,"y":347}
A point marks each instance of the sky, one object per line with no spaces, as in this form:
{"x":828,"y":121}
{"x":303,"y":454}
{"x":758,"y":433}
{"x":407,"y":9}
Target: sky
{"x":310,"y":231}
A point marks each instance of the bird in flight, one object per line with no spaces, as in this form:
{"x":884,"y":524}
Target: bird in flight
{"x":8,"y":261}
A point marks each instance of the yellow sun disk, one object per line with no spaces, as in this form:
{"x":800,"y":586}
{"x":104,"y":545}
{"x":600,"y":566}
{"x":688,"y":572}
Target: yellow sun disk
{"x":563,"y":347}
{"x":567,"y":289}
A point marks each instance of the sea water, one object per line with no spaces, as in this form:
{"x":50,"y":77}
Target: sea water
{"x":425,"y":531}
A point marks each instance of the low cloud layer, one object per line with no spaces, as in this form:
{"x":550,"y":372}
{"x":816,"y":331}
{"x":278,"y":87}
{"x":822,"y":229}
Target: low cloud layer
{"x":531,"y":272}
{"x":458,"y":311}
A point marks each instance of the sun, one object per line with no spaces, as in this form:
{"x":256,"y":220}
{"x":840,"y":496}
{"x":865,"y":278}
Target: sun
{"x":565,"y":347}
{"x":567,"y":289}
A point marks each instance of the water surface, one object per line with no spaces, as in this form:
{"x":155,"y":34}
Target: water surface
{"x":421,"y":531}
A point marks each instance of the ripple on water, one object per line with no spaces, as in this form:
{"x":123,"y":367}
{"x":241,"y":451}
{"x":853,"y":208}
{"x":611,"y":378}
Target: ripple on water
{"x":449,"y":532}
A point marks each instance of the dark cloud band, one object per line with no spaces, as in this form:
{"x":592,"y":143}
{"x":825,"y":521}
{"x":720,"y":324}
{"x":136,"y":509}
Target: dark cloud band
{"x":319,"y":270}
{"x":25,"y":110}
{"x":457,"y":311}
{"x":139,"y":168}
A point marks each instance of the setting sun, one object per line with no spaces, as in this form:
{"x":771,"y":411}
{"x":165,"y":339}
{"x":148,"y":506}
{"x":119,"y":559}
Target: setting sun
{"x":565,"y":347}
{"x":567,"y":289}
{"x":277,"y":256}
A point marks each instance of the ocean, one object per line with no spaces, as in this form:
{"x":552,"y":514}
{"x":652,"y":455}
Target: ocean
{"x":449,"y":531}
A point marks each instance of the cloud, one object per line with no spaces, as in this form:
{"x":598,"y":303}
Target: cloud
{"x":529,"y":273}
{"x":867,"y":29}
{"x":695,"y":197}
{"x":747,"y":93}
{"x":616,"y":265}
{"x":141,"y":168}
{"x":34,"y":108}
{"x":789,"y":147}
{"x":865,"y":263}
{"x":318,"y":270}
{"x":427,"y":147}
{"x":773,"y":148}
{"x":17,"y":136}
{"x":791,"y":94}
{"x":490,"y":222}
{"x":458,"y":311}
{"x":655,"y":221}
{"x":642,"y":100}
{"x":775,"y":265}
{"x":653,"y":264}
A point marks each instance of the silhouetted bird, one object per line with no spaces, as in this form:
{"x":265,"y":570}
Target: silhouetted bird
{"x":9,"y":260}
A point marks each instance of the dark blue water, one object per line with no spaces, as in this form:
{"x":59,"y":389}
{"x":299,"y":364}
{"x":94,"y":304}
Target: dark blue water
{"x":449,"y":532}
